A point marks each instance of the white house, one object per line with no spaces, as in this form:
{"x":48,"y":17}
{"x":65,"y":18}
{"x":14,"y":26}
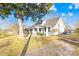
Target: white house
{"x":52,"y":26}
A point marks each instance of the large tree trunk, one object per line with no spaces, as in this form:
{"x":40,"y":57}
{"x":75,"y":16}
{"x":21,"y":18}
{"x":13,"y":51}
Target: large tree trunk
{"x":21,"y":32}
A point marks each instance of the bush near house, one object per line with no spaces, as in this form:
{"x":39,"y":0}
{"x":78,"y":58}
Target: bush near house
{"x":40,"y":33}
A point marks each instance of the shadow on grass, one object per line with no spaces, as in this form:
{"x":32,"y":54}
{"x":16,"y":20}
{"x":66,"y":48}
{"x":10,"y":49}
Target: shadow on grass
{"x":70,"y":40}
{"x":76,"y":44}
{"x":25,"y":47}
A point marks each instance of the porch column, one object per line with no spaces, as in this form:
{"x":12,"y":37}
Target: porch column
{"x":33,"y":31}
{"x":47,"y":31}
{"x":38,"y":30}
{"x":29,"y":31}
{"x":41,"y":30}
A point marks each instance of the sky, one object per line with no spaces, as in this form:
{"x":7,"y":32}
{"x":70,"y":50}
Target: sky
{"x":69,"y":12}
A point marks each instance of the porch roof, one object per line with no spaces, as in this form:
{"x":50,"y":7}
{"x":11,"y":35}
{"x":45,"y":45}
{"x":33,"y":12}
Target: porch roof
{"x":34,"y":26}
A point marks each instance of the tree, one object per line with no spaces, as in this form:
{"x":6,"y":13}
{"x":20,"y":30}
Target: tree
{"x":23,"y":9}
{"x":77,"y":27}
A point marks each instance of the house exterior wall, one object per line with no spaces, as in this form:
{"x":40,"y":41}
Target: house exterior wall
{"x":54,"y":28}
{"x":60,"y":27}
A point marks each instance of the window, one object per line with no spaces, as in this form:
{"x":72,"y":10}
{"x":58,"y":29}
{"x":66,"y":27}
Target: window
{"x":35,"y":29}
{"x":45,"y":29}
{"x":40,"y":29}
{"x":49,"y":29}
{"x":30,"y":29}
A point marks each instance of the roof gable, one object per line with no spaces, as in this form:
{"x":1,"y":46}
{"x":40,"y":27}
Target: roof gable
{"x":51,"y":22}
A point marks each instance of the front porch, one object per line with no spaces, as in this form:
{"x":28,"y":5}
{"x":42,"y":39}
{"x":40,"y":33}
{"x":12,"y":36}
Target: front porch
{"x":44,"y":30}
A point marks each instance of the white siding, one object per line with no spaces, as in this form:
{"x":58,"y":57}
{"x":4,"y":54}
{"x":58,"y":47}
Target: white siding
{"x":59,"y":26}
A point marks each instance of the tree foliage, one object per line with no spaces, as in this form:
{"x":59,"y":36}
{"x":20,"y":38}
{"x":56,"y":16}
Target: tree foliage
{"x":23,"y":9}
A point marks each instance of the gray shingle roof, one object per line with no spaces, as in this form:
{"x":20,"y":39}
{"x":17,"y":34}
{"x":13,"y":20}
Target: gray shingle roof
{"x":51,"y":22}
{"x":48,"y":23}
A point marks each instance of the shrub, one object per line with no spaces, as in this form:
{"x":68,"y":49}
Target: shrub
{"x":40,"y":33}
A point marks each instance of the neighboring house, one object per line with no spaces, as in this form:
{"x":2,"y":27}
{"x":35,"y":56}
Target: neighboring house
{"x":52,"y":26}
